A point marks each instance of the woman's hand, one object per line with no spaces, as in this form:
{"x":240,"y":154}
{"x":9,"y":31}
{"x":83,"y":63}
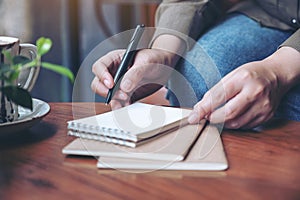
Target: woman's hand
{"x":148,"y":73}
{"x":250,"y":95}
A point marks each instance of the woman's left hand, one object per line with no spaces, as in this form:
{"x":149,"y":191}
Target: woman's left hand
{"x":249,"y":95}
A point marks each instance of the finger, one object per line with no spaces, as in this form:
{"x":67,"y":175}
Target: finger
{"x":258,"y":121}
{"x":109,"y":60}
{"x":250,"y":119}
{"x":201,"y":109}
{"x":94,"y":84}
{"x":121,"y":96}
{"x":102,"y":74}
{"x":254,"y":112}
{"x":106,"y":66}
{"x":213,"y":99}
{"x":224,"y":90}
{"x":227,"y":88}
{"x":233,"y":108}
{"x":116,"y":104}
{"x":241,"y":120}
{"x":133,"y":78}
{"x":98,"y":87}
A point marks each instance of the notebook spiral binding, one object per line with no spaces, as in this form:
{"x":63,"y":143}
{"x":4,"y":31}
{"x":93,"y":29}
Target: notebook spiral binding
{"x":101,"y":138}
{"x":94,"y":131}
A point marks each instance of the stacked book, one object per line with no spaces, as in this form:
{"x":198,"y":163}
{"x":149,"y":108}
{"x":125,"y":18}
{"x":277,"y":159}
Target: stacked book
{"x":144,"y":136}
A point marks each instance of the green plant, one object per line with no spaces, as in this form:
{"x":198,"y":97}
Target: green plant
{"x":9,"y":72}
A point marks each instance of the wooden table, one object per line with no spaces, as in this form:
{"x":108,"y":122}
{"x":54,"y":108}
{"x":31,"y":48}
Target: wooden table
{"x":263,"y":165}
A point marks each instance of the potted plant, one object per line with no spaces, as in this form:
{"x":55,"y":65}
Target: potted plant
{"x":11,"y":69}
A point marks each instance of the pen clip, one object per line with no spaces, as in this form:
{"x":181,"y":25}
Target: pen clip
{"x":135,"y":39}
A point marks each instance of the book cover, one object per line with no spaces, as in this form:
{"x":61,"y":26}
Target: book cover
{"x":171,"y":146}
{"x":130,"y":124}
{"x":206,"y":154}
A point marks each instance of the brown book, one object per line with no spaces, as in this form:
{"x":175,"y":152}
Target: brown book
{"x":206,"y":154}
{"x":170,"y":146}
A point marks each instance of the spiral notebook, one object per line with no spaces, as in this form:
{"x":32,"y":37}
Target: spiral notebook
{"x":131,"y":125}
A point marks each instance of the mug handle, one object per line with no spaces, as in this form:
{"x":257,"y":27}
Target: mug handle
{"x":27,"y":78}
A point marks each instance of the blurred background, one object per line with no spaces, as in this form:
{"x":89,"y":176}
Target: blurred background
{"x":76,"y":27}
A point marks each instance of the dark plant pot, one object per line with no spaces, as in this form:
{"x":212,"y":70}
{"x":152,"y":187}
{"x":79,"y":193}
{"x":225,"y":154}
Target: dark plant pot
{"x":8,"y":110}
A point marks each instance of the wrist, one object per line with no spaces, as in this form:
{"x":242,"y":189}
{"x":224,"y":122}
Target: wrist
{"x":172,"y":46}
{"x":285,"y":63}
{"x":169,"y":43}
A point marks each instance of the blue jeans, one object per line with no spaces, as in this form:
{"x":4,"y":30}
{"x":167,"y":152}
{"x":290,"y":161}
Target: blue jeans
{"x":231,"y":43}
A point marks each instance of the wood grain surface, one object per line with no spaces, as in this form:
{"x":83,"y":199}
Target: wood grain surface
{"x":263,"y":164}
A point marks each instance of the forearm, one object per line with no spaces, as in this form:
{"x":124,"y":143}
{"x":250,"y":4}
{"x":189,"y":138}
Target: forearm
{"x":169,"y":43}
{"x":173,"y":47}
{"x":187,"y":19}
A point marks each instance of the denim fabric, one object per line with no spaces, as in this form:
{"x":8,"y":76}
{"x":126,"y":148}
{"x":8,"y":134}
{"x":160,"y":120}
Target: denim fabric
{"x":235,"y":41}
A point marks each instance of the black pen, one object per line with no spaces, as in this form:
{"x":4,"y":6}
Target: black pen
{"x":126,"y":61}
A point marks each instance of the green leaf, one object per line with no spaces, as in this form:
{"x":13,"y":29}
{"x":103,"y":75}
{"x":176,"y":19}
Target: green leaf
{"x":13,"y":76}
{"x":43,"y":45}
{"x":8,"y":73}
{"x":4,"y":68}
{"x":21,"y":60}
{"x":59,"y":69}
{"x":18,"y":95}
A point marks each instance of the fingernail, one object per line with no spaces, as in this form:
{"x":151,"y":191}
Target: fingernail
{"x":126,"y":86}
{"x":106,"y":83}
{"x":193,"y":118}
{"x":115,"y":105}
{"x":123,"y":96}
{"x":234,"y":125}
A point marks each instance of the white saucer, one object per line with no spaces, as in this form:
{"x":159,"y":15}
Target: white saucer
{"x":27,"y":117}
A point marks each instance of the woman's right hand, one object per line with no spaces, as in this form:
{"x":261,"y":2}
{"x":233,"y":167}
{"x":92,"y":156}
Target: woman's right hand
{"x":149,"y":72}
